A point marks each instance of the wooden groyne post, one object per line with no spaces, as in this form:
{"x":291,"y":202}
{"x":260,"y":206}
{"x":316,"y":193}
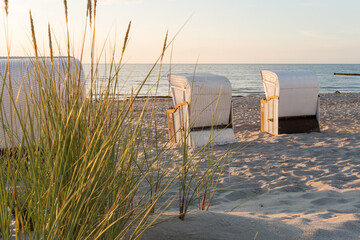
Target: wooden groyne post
{"x":348,"y":74}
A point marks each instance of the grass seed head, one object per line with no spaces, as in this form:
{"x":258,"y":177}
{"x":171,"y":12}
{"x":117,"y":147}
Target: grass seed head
{"x":95,"y":3}
{"x":164,"y":46}
{"x":66,"y":10}
{"x":33,"y":35}
{"x":126,"y":37}
{"x":50,"y":44}
{"x":89,"y":10}
{"x":6,"y":3}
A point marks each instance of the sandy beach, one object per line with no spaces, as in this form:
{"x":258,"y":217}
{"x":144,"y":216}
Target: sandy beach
{"x":296,"y":186}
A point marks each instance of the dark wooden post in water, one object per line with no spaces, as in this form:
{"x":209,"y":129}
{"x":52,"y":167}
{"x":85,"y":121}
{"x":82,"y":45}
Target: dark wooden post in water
{"x":348,"y":74}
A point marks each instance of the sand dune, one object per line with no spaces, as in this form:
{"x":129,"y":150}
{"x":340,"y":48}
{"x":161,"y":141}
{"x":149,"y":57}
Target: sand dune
{"x":298,"y":186}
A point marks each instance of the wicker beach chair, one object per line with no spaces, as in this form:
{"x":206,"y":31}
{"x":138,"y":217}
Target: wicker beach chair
{"x":203,"y":109}
{"x":24,"y":74}
{"x":292,"y":102}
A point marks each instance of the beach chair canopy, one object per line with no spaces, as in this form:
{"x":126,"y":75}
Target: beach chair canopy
{"x":25,"y":74}
{"x":205,"y":101}
{"x":297,"y":91}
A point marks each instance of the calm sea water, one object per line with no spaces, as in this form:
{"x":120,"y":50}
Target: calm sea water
{"x":245,"y":78}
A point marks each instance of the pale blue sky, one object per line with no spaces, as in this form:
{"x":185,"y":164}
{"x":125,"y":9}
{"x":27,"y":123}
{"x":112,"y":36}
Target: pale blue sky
{"x":221,"y":31}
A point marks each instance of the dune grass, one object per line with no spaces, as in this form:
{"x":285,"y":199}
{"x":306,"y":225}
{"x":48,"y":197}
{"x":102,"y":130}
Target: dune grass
{"x":88,"y":166}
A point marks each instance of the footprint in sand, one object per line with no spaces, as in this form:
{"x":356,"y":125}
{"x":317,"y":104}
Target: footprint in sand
{"x":326,"y":215}
{"x":306,"y":221}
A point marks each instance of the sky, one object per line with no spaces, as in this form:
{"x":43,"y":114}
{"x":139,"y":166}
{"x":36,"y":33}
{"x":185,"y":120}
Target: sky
{"x":209,"y":31}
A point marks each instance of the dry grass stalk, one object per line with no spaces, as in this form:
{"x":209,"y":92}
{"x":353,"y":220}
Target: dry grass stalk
{"x":92,"y":55}
{"x":13,"y":172}
{"x":164,"y":46}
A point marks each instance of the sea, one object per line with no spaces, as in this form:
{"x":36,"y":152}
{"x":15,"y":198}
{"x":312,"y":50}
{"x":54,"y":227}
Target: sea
{"x":245,"y":78}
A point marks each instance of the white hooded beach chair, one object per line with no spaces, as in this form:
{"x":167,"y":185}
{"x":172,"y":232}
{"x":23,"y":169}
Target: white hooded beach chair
{"x":292,"y":102}
{"x":203,"y":109}
{"x":23,"y":74}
